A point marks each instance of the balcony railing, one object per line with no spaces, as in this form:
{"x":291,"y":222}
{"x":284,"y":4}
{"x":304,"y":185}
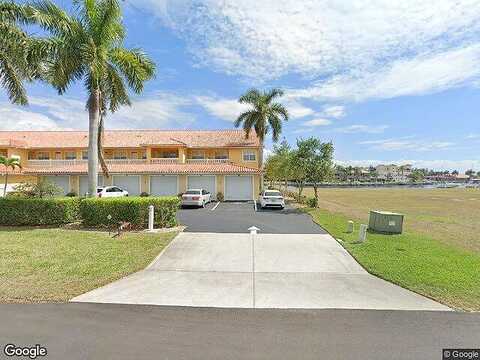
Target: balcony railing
{"x":207,"y":161}
{"x":59,"y":163}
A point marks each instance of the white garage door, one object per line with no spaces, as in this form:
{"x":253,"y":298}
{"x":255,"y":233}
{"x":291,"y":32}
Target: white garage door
{"x":163,"y":185}
{"x":131,"y":183}
{"x":238,"y":187}
{"x":84,"y":184}
{"x":206,"y":182}
{"x":61,"y":181}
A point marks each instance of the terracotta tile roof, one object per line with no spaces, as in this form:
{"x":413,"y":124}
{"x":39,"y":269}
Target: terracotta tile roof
{"x":130,"y":138}
{"x":80,"y":169}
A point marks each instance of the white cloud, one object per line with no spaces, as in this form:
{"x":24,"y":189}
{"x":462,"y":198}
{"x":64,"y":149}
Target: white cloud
{"x":14,"y":118}
{"x":407,"y":143}
{"x":438,"y":164}
{"x":159,"y":110}
{"x":225,"y":109}
{"x":472,"y":136}
{"x":360,"y":49}
{"x":334,"y":111}
{"x":368,"y":129}
{"x":317,"y":122}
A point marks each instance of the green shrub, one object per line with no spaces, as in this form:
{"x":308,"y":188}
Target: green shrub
{"x":220,"y":196}
{"x":144,"y":194}
{"x":312,"y":202}
{"x":71,"y":194}
{"x":42,"y":189}
{"x":111,"y":211}
{"x":28,"y":211}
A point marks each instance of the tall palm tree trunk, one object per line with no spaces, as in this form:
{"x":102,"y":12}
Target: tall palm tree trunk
{"x":260,"y":163}
{"x":93,"y":122}
{"x":6,"y":182}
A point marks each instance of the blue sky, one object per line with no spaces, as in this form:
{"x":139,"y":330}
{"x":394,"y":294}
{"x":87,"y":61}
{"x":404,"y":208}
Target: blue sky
{"x":386,"y":81}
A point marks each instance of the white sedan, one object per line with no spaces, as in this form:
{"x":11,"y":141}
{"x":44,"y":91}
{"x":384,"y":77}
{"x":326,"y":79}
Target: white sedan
{"x":111,"y":191}
{"x":271,"y":198}
{"x":196,"y":197}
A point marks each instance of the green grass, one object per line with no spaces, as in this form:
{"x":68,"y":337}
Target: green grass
{"x":443,"y":272}
{"x":55,"y":265}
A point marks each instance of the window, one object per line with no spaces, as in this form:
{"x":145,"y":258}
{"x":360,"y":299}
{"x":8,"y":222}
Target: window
{"x":70,"y":155}
{"x":198,"y":154}
{"x":84,"y":155}
{"x":221,"y":154}
{"x":169,"y":154}
{"x":120,"y":154}
{"x":3,"y":153}
{"x":249,"y":155}
{"x":43,"y":155}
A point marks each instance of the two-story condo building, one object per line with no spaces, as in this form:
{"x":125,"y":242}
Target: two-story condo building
{"x":158,"y":162}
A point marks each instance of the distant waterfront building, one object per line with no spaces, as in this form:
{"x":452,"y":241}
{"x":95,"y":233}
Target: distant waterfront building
{"x":394,"y":172}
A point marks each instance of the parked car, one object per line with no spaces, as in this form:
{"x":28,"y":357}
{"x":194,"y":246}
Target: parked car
{"x":271,"y":198}
{"x":196,"y":197}
{"x":111,"y":191}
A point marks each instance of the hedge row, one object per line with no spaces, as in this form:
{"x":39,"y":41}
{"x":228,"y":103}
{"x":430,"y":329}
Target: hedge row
{"x":24,"y":211}
{"x":109,"y":212}
{"x":93,"y":212}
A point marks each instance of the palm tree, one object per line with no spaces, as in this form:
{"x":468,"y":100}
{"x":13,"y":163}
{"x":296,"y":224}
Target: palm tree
{"x":88,"y":46}
{"x":20,"y":54}
{"x":263,"y":116}
{"x":12,"y":163}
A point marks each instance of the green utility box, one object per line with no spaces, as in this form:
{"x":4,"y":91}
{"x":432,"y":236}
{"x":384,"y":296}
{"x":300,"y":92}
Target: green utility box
{"x":385,"y":222}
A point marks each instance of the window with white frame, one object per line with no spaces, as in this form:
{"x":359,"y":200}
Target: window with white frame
{"x":249,"y":155}
{"x":198,"y":154}
{"x":43,"y":155}
{"x":221,"y":154}
{"x":70,"y":155}
{"x":119,"y":154}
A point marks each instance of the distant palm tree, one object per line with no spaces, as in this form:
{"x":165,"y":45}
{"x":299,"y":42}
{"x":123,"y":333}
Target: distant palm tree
{"x":88,"y":46}
{"x":12,"y":163}
{"x":263,"y":116}
{"x":20,"y":54}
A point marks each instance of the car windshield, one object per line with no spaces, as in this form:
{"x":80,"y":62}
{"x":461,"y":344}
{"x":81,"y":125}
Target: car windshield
{"x":192,"y":192}
{"x":272,"y":193}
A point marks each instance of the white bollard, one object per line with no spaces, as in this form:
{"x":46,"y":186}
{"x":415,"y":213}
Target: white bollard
{"x":350,"y":227}
{"x":151,"y":215}
{"x":253,"y":230}
{"x":362,"y":234}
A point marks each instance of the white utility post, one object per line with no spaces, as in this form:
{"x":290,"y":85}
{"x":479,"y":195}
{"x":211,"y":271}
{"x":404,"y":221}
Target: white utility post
{"x":253,"y":230}
{"x":151,"y":217}
{"x":362,"y":234}
{"x":350,"y":227}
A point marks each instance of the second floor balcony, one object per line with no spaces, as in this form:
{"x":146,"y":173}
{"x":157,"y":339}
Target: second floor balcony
{"x":72,"y":162}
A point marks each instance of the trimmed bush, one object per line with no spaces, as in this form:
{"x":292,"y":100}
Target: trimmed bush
{"x":26,"y":211}
{"x":111,"y":211}
{"x":312,"y":202}
{"x":220,"y":196}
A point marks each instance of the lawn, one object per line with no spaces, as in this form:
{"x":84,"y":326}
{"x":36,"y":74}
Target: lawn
{"x":55,"y":265}
{"x":451,"y":216}
{"x":443,"y":265}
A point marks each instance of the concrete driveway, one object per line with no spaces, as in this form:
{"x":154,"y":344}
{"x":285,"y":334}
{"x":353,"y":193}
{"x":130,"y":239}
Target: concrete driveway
{"x":228,"y":217}
{"x":262,"y":271}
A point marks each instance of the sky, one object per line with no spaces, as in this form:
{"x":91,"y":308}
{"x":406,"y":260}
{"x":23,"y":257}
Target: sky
{"x":386,"y":81}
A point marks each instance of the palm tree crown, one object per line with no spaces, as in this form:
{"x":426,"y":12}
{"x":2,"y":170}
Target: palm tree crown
{"x":264,"y":115}
{"x":88,"y":46}
{"x":12,"y":163}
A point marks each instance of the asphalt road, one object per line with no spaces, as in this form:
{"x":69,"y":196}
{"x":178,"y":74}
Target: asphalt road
{"x":106,"y":331}
{"x":238,"y":217}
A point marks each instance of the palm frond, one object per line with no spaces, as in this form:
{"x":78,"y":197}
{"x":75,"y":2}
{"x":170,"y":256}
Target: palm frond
{"x":134,"y":65}
{"x":272,"y":94}
{"x":252,"y":96}
{"x":50,"y":17}
{"x":11,"y":79}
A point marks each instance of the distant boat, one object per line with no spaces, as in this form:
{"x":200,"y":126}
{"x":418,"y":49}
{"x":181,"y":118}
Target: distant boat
{"x":448,"y":185}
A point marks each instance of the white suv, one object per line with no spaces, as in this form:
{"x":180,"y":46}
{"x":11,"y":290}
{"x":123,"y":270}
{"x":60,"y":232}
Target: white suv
{"x":111,"y":191}
{"x":271,"y":198}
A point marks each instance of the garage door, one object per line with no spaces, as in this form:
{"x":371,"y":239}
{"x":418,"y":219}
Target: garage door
{"x":238,"y":187}
{"x":129,"y":183}
{"x":62,"y":182}
{"x":84,"y":184}
{"x":163,"y":185}
{"x":202,"y":182}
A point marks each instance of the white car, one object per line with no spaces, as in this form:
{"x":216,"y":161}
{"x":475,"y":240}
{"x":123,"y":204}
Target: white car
{"x":110,"y":191}
{"x":196,"y":197}
{"x":271,"y":198}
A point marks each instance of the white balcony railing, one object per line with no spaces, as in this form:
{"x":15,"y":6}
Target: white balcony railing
{"x":164,"y":160}
{"x":54,"y":163}
{"x":207,"y":161}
